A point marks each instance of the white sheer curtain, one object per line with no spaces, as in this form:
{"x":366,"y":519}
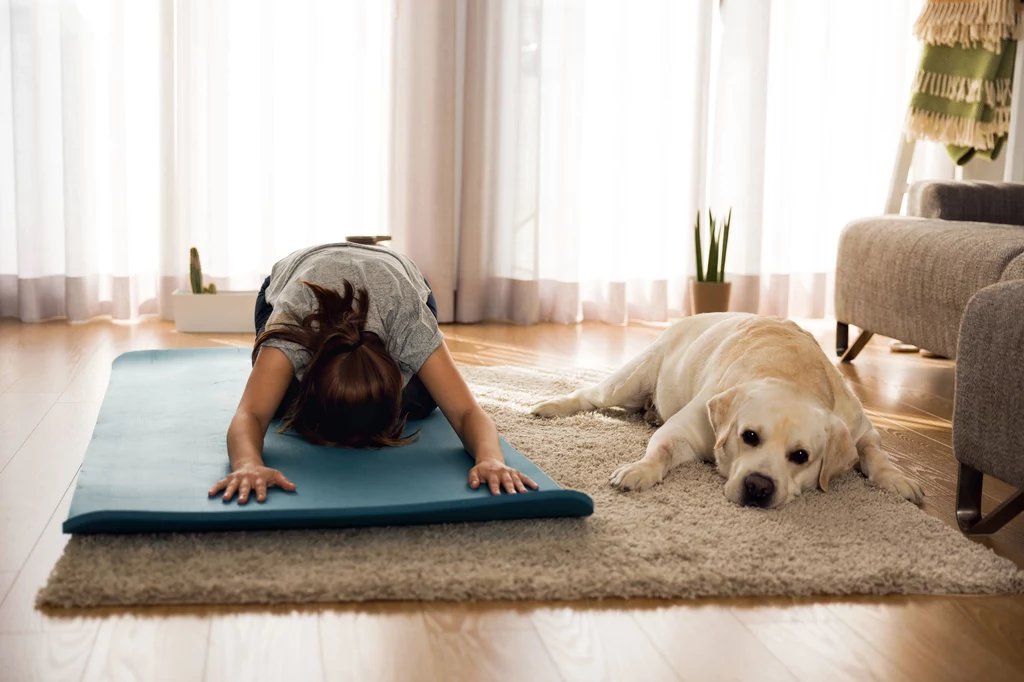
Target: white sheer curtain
{"x":594,"y":131}
{"x":131,"y":130}
{"x":583,"y":157}
{"x":540,"y":159}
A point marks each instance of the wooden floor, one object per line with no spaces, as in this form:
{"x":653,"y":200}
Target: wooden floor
{"x":52,"y":379}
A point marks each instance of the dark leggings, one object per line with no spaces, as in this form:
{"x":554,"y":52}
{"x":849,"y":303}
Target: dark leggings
{"x":416,"y":400}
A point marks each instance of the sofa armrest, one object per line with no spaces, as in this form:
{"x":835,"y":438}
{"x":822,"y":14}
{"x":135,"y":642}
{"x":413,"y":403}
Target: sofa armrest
{"x":989,"y":398}
{"x":982,"y":202}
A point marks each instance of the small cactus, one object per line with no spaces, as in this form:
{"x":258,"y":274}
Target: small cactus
{"x":210,"y":288}
{"x":195,"y":271}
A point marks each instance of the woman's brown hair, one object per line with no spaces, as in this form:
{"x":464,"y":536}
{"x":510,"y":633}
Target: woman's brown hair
{"x":351,"y":392}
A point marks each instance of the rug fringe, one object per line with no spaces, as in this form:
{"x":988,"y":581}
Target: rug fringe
{"x":963,"y":88}
{"x":947,"y":22}
{"x":954,"y":130}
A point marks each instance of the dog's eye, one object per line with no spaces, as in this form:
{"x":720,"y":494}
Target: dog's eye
{"x":751,"y":439}
{"x":798,"y":457}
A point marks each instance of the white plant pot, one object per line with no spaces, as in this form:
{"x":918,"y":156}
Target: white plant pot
{"x":225,"y":311}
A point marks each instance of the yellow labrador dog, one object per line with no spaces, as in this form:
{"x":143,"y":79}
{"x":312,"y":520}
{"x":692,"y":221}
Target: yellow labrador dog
{"x":755,"y":395}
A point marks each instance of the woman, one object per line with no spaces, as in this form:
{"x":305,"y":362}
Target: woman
{"x":347,"y":350}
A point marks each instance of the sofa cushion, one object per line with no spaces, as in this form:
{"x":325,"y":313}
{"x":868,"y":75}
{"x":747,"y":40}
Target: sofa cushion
{"x":989,"y":202}
{"x":911,"y":278}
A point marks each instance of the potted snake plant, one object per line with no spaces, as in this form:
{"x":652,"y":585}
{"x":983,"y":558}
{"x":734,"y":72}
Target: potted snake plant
{"x":709,"y":292}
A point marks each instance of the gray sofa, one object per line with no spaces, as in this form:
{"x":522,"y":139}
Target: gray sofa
{"x":949,"y":277}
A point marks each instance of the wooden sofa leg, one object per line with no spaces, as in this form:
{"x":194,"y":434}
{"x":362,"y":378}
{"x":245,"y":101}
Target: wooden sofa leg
{"x":842,"y":338}
{"x":858,"y":345}
{"x":968,"y":504}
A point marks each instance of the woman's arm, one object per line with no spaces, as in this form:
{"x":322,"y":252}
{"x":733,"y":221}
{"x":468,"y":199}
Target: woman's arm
{"x":476,"y":430}
{"x":263,"y":393}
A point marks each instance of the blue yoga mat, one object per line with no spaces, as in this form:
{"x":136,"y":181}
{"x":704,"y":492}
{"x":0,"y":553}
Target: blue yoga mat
{"x":159,"y":445}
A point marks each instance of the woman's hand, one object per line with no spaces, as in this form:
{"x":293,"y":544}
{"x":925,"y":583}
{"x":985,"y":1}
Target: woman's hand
{"x":249,"y":478}
{"x":496,"y":474}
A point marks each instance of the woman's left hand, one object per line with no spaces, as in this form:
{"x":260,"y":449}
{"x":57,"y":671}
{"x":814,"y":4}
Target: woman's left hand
{"x":497,"y":475}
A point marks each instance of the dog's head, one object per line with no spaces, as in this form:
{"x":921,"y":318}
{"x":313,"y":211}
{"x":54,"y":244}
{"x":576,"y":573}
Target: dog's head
{"x":773,"y":444}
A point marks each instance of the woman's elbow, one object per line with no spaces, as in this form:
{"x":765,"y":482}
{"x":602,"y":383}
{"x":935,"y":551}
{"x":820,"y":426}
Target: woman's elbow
{"x":245,"y":421}
{"x":472,"y":419}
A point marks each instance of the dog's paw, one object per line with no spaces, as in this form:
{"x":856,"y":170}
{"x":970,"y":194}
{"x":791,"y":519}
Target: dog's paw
{"x":558,"y":407}
{"x":636,"y":476}
{"x":896,"y":482}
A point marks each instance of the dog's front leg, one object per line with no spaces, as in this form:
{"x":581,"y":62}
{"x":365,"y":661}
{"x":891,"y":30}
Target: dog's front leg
{"x":671,"y":445}
{"x":880,"y":471}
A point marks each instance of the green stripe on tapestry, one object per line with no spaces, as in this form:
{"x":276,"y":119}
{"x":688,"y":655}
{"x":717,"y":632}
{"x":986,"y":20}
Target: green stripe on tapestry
{"x":970,"y":62}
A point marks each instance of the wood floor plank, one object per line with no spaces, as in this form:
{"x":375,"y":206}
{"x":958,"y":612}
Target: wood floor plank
{"x":941,"y":638}
{"x":600,"y":644}
{"x":926,"y":387}
{"x":498,"y":655}
{"x":998,"y":622}
{"x":826,"y":650}
{"x":391,"y":643}
{"x":36,"y":478}
{"x":935,"y":441}
{"x":54,"y":335}
{"x":338,"y":647}
{"x":6,"y":580}
{"x":40,"y":371}
{"x":8,"y":370}
{"x":90,"y":382}
{"x":708,"y":643}
{"x":253,"y":646}
{"x":20,"y":414}
{"x":479,"y":616}
{"x":936,"y":474}
{"x":758,"y":611}
{"x":18,"y":614}
{"x":134,"y":649}
{"x":45,"y":656}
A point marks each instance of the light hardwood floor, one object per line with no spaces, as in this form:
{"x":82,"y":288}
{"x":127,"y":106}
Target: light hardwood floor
{"x":52,"y":379}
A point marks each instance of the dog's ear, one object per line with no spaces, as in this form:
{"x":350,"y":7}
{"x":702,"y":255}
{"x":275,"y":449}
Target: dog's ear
{"x":722,"y":410}
{"x":840,"y":452}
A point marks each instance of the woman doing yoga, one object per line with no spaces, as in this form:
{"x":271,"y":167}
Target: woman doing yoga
{"x":347,"y":350}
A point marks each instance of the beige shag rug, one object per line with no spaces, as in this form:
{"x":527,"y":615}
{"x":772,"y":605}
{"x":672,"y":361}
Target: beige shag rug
{"x":681,"y":539}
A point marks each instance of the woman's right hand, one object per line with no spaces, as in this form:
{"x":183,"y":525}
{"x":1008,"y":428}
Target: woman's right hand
{"x":249,"y":478}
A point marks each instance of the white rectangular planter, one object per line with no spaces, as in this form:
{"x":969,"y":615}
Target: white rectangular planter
{"x":225,"y":311}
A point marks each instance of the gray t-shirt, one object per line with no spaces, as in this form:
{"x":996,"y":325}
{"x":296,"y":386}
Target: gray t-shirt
{"x":397,"y":312}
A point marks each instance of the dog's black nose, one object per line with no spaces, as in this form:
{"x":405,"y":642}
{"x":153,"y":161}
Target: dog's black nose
{"x":758,"y":490}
